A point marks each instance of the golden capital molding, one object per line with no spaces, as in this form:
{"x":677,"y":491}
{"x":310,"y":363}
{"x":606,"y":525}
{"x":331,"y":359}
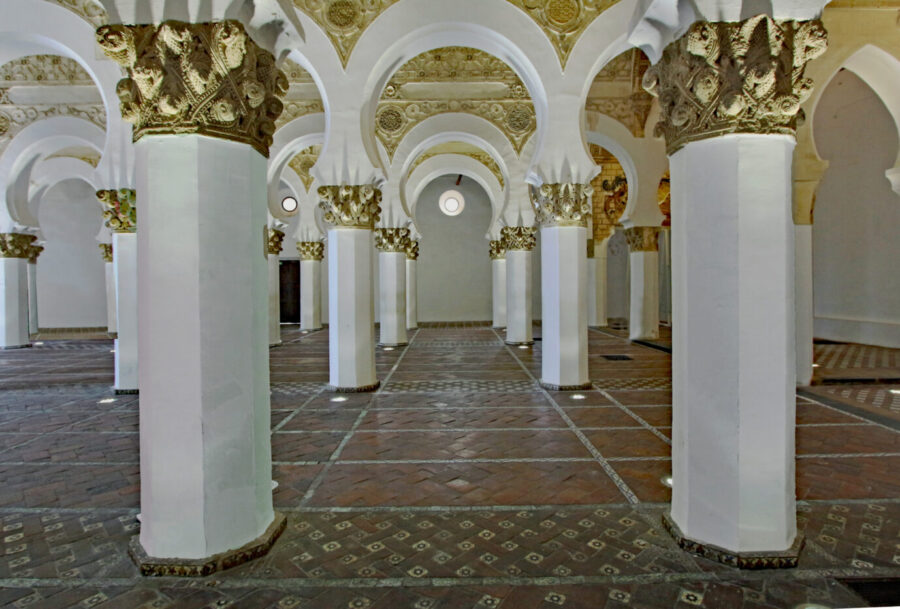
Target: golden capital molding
{"x":642,"y":238}
{"x":311,"y":250}
{"x":412,"y":250}
{"x":351,"y":206}
{"x":34,"y":251}
{"x":565,"y":204}
{"x":106,"y":250}
{"x":303,"y":162}
{"x":394,"y":240}
{"x":519,"y":237}
{"x":16,"y":245}
{"x":120,"y":209}
{"x":498,"y":250}
{"x":743,"y":77}
{"x":275,"y":242}
{"x":201,"y":78}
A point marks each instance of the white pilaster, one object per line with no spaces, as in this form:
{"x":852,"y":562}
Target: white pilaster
{"x":392,"y":297}
{"x":13,"y":303}
{"x":733,"y":342}
{"x":351,"y":309}
{"x":644,"y":311}
{"x":803,"y":288}
{"x":412,"y":295}
{"x":564,"y":361}
{"x":274,"y":275}
{"x":206,"y":468}
{"x":310,"y":294}
{"x":33,"y":325}
{"x":597,"y":285}
{"x":125,"y":261}
{"x":111,"y":325}
{"x":498,"y":274}
{"x":518,"y":297}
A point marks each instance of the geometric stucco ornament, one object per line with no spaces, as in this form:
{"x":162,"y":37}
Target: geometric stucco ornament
{"x":519,"y":238}
{"x":16,"y":245}
{"x":311,"y":250}
{"x":741,"y":77}
{"x":498,"y":250}
{"x":120,"y":210}
{"x":350,"y":206}
{"x":200,"y":78}
{"x":564,"y":204}
{"x":392,"y":240}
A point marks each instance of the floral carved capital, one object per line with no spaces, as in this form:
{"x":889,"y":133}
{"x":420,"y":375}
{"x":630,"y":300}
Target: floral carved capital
{"x":642,"y":238}
{"x":498,"y":250}
{"x":311,"y":250}
{"x":106,"y":250}
{"x":564,"y":204}
{"x":742,"y":77}
{"x":275,"y":242}
{"x":34,"y":252}
{"x":412,"y":250}
{"x":16,"y":245}
{"x":119,"y":209}
{"x":201,"y":78}
{"x":393,"y":240}
{"x":351,"y":206}
{"x":519,"y":237}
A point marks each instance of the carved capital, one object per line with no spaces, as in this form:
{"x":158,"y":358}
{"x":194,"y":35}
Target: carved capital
{"x":311,"y":250}
{"x":642,"y":238}
{"x":275,"y":242}
{"x":519,"y":238}
{"x":120,"y":210}
{"x":351,"y":206}
{"x":201,"y":78}
{"x":743,"y":77}
{"x":34,"y":252}
{"x":394,"y":240}
{"x":106,"y":250}
{"x":412,"y":250}
{"x":498,"y":250}
{"x":564,"y":204}
{"x":16,"y":245}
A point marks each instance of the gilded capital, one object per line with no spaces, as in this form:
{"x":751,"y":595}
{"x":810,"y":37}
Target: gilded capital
{"x":498,"y":250}
{"x":741,"y":77}
{"x":106,"y":250}
{"x":311,"y":250}
{"x":642,"y":238}
{"x":563,"y":204}
{"x":351,"y":206}
{"x":394,"y":240}
{"x":16,"y":245}
{"x":412,"y":250}
{"x":519,"y":238}
{"x":275,"y":242}
{"x":200,"y":78}
{"x":34,"y":251}
{"x":120,"y":210}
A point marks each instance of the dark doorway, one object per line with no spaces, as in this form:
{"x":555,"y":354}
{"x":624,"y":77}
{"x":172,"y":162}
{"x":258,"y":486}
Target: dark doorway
{"x":290,"y":291}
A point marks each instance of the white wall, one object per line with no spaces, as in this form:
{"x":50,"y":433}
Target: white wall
{"x":856,"y":247}
{"x":71,"y":278}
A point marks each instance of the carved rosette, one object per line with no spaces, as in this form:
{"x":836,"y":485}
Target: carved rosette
{"x":642,"y":238}
{"x":351,"y":206}
{"x":392,"y":240}
{"x":106,"y":250}
{"x":498,"y":250}
{"x":275,"y":242}
{"x":311,"y":250}
{"x":564,"y":204}
{"x":120,"y":210}
{"x":519,"y":238}
{"x":16,"y":245}
{"x":201,"y":78}
{"x":743,"y":77}
{"x":412,"y":250}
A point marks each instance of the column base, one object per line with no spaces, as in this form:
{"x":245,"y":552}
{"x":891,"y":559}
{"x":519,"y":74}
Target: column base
{"x":393,"y":344}
{"x":552,"y":387}
{"x":200,"y":567}
{"x":364,"y":389}
{"x":498,"y":327}
{"x":526,"y":343}
{"x":15,"y":347}
{"x":412,"y":327}
{"x":126,"y":391}
{"x":278,"y":344}
{"x":113,"y":335}
{"x":786,"y":559}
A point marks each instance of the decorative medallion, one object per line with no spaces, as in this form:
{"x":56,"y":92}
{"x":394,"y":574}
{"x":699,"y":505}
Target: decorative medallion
{"x":642,"y":238}
{"x":351,"y":206}
{"x":461,"y":148}
{"x":106,"y":250}
{"x":392,"y":240}
{"x":745,"y":77}
{"x":498,"y":250}
{"x":519,"y":238}
{"x":275,"y":242}
{"x":16,"y":245}
{"x":343,"y":21}
{"x":564,"y":204}
{"x":120,"y":209}
{"x":303,"y":162}
{"x":412,"y":250}
{"x":204,"y":78}
{"x":311,"y":250}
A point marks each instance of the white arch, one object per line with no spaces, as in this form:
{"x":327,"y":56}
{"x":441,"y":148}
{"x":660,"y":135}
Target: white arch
{"x":297,"y":135}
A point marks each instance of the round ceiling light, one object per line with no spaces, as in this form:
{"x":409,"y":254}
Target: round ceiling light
{"x":289,"y":204}
{"x":452,"y":203}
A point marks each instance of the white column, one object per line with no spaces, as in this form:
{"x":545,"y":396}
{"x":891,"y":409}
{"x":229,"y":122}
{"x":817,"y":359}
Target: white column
{"x":597,"y":285}
{"x":13,"y":303}
{"x":392,"y":297}
{"x":206,"y":469}
{"x":733,"y":343}
{"x":310,"y":294}
{"x":412,"y":296}
{"x":643,"y":261}
{"x":498,"y":273}
{"x":518,"y":297}
{"x":274,"y":275}
{"x":803,"y":287}
{"x":665,"y":275}
{"x":111,"y":325}
{"x":564,"y":361}
{"x":125,"y":261}
{"x":33,"y":326}
{"x":351,"y":309}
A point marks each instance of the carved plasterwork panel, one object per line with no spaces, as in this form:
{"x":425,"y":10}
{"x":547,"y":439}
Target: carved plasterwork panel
{"x":302,"y":97}
{"x":16,"y":245}
{"x":44,"y":70}
{"x":617,"y":91}
{"x":303,"y":162}
{"x":392,"y":240}
{"x":519,"y":237}
{"x":106,"y":250}
{"x":89,"y":10}
{"x":119,"y":209}
{"x":412,"y":250}
{"x":311,"y":250}
{"x":276,"y":242}
{"x":564,"y":204}
{"x":642,"y":238}
{"x":464,"y":149}
{"x":343,"y":21}
{"x":498,"y":250}
{"x":610,"y":194}
{"x":350,"y":206}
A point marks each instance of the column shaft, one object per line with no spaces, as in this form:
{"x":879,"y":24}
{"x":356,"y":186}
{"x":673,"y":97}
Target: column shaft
{"x":33,"y":325}
{"x":125,"y":263}
{"x":518,"y":297}
{"x":274,"y":275}
{"x":498,"y":271}
{"x":644,"y":312}
{"x":412,"y":295}
{"x":392,"y":297}
{"x":803,"y":287}
{"x":597,"y":285}
{"x":310,"y":294}
{"x":13,"y":303}
{"x":111,"y":325}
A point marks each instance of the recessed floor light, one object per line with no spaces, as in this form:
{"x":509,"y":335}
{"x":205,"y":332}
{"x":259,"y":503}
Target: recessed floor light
{"x":815,"y":365}
{"x":895,"y":391}
{"x":112,"y":351}
{"x":274,"y":484}
{"x":666,"y":481}
{"x":107,"y":401}
{"x":523,"y":346}
{"x":388,"y":348}
{"x":339,"y":398}
{"x":38,"y":344}
{"x":578,"y":396}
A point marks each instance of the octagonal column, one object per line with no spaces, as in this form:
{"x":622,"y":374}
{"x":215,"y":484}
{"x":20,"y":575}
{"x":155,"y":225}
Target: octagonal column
{"x":15,"y":250}
{"x":519,"y":242}
{"x":273,"y":249}
{"x":498,"y":279}
{"x":106,"y":250}
{"x":730,"y":97}
{"x":33,"y":325}
{"x":392,"y":244}
{"x":351,"y":213}
{"x":598,"y":253}
{"x":643,"y":247}
{"x":412,"y":295}
{"x":311,"y":255}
